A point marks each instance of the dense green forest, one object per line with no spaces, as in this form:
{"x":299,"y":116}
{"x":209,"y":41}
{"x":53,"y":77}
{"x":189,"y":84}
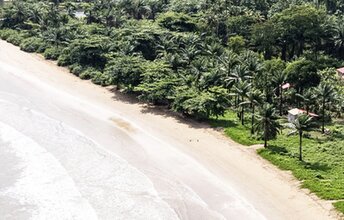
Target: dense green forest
{"x":197,"y":57}
{"x":222,"y":61}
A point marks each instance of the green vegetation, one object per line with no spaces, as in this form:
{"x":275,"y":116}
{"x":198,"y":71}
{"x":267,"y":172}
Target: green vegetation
{"x":339,"y":206}
{"x":267,"y":124}
{"x":233,"y":128}
{"x":322,"y":170}
{"x":301,"y":125}
{"x":222,"y":61}
{"x":322,"y":167}
{"x":324,"y":178}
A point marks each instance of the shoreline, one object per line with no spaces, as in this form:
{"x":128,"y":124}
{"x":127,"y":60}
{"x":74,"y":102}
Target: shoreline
{"x":229,"y":161}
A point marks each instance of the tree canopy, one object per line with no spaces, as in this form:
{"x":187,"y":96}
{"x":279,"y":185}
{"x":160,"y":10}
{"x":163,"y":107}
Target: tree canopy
{"x":199,"y":58}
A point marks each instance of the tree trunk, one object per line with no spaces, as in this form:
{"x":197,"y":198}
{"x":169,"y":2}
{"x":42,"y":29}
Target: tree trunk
{"x":300,"y":147}
{"x":299,"y":90}
{"x":292,"y":52}
{"x":302,"y":45}
{"x":265,"y":135}
{"x":281,"y":101}
{"x":242,"y":112}
{"x":252,"y":120}
{"x":265,"y":142}
{"x":237,"y":100}
{"x":323,"y":117}
{"x":242,"y":116}
{"x":284,"y":52}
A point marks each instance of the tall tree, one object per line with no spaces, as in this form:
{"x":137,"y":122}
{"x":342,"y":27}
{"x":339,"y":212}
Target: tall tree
{"x":254,"y":98}
{"x":278,"y":80}
{"x":298,"y":25}
{"x":326,"y":94}
{"x":308,"y":98}
{"x":302,"y":124}
{"x":302,"y":74}
{"x":339,"y":36}
{"x":241,"y":89}
{"x":267,"y":123}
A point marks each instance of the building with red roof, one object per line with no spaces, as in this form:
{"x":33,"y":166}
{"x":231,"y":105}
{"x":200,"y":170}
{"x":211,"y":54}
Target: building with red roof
{"x":340,"y":72}
{"x":294,"y":113}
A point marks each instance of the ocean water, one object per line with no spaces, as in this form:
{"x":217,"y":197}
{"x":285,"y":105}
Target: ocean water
{"x":53,"y":170}
{"x":41,"y":186}
{"x":67,"y":176}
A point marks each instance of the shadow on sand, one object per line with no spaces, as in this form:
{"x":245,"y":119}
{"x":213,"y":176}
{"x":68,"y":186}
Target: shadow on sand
{"x":159,"y":110}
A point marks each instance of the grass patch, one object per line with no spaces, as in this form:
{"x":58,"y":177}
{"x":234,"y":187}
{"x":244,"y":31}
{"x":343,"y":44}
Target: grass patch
{"x":323,"y":176}
{"x":339,"y":206}
{"x":322,"y":170}
{"x":233,"y":128}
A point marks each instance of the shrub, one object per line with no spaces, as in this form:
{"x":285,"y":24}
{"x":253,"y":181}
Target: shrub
{"x":102,"y":79}
{"x":241,"y":25}
{"x":177,"y":22}
{"x":76,"y":69}
{"x":125,"y":71}
{"x":52,"y":53}
{"x":42,"y":47}
{"x":64,"y":58}
{"x":88,"y":51}
{"x":158,"y":82}
{"x":15,"y":39}
{"x":186,"y":6}
{"x":236,"y":43}
{"x":339,"y":206}
{"x":31,"y":44}
{"x":303,"y":74}
{"x":200,"y":105}
{"x":6,"y":33}
{"x":88,"y":73}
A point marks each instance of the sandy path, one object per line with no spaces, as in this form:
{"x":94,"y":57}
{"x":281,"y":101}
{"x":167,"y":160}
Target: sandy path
{"x":230,"y":179}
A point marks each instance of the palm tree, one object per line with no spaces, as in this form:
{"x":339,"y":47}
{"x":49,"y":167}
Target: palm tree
{"x":15,"y":14}
{"x":191,"y":40}
{"x":134,"y":8}
{"x":302,"y":124}
{"x":228,"y":61}
{"x":174,"y":60}
{"x":112,"y":17}
{"x":339,"y":36}
{"x":338,"y":106}
{"x":236,"y":74}
{"x":267,"y":122}
{"x":254,"y":98}
{"x":278,"y":79}
{"x":70,"y":8}
{"x":166,"y":44}
{"x":197,"y":70}
{"x":214,"y":50}
{"x":154,"y":6}
{"x":241,"y":89}
{"x":308,"y":99}
{"x":326,"y":94}
{"x":252,"y":62}
{"x":190,"y":53}
{"x":57,"y":36}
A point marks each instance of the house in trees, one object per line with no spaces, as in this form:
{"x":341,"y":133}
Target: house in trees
{"x":340,"y":72}
{"x":294,"y":113}
{"x":286,"y":86}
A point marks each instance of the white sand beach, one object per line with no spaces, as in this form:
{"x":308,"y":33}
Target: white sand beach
{"x":72,"y":150}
